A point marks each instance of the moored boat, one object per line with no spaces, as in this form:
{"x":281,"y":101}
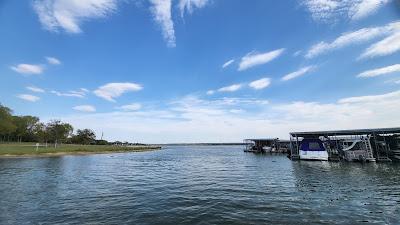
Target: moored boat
{"x":313,"y":149}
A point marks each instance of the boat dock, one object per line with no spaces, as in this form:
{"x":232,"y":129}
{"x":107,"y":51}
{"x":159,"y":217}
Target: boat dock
{"x":363,"y":145}
{"x":266,"y":145}
{"x":368,"y":145}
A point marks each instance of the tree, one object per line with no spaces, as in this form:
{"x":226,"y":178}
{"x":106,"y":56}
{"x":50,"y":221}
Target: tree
{"x":101,"y":142}
{"x":25,"y":127}
{"x":58,"y":131}
{"x":7,"y":126}
{"x":40,"y":133}
{"x":85,"y":137}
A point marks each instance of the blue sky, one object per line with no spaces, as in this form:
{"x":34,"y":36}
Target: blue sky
{"x":161,"y":71}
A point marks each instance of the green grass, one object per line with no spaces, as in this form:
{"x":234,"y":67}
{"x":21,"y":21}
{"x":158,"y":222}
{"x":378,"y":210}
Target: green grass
{"x":21,"y":149}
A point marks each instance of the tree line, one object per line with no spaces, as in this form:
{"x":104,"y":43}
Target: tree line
{"x":15,"y":128}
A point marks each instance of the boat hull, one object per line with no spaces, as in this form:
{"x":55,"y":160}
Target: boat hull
{"x":314,"y":155}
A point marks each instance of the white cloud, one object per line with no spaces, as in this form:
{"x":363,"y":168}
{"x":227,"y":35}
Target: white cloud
{"x":225,"y":101}
{"x":190,"y":5}
{"x":256,"y":85}
{"x":355,"y":37}
{"x":210,"y":92}
{"x":131,"y":107}
{"x":161,"y":10}
{"x":347,"y":113}
{"x":28,"y":68}
{"x":372,"y":98}
{"x":298,"y":73}
{"x":364,"y":8}
{"x":254,"y":59}
{"x":35,"y":89}
{"x":84,"y":108}
{"x":68,"y":15}
{"x":30,"y":98}
{"x":260,"y":84}
{"x":236,"y":111}
{"x":231,"y":88}
{"x":78,"y":94}
{"x":228,"y":63}
{"x":53,"y":61}
{"x":321,"y":10}
{"x":112,"y":90}
{"x":384,"y":47}
{"x":84,"y":90}
{"x":380,"y":71}
{"x":192,"y":119}
{"x":332,"y":10}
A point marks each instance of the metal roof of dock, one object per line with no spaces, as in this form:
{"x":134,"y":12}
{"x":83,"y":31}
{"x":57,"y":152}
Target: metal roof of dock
{"x":395,"y":130}
{"x":261,"y":139}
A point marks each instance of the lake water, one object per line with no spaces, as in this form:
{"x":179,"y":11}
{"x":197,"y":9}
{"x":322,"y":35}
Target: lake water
{"x":196,"y":185}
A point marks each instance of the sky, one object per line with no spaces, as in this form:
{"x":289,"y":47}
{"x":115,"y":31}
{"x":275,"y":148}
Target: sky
{"x":176,"y":71}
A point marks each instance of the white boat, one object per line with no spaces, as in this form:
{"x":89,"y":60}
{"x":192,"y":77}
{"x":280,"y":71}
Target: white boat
{"x":267,"y":149}
{"x":313,"y":149}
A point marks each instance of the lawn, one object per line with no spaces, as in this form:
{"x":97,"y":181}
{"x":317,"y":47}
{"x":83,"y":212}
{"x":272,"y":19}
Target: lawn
{"x":29,"y":149}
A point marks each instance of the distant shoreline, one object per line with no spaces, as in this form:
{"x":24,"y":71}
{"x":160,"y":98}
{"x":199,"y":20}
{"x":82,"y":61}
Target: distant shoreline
{"x":28,"y":151}
{"x":199,"y":144}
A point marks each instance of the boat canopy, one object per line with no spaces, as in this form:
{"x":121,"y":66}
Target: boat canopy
{"x":312,"y":144}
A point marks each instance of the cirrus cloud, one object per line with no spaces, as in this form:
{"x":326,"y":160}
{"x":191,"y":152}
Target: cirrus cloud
{"x":380,"y":71}
{"x":190,"y":5}
{"x":226,"y":64}
{"x":384,"y":47}
{"x":255,"y":59}
{"x":332,"y":10}
{"x":35,"y":89}
{"x":161,"y":10}
{"x":298,"y":73}
{"x":84,"y":108}
{"x":355,"y":37}
{"x":111,"y":91}
{"x":131,"y":107}
{"x":55,"y":15}
{"x":260,"y":84}
{"x":231,"y":88}
{"x":28,"y":69}
{"x":29,"y":98}
{"x":81,"y":93}
{"x":395,"y":95}
{"x":53,"y":61}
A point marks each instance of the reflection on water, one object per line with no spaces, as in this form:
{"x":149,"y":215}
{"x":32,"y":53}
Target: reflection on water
{"x":196,"y":185}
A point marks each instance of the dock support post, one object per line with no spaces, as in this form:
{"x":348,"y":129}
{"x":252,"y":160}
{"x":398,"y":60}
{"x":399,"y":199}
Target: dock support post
{"x":291,"y":146}
{"x":387,"y":147}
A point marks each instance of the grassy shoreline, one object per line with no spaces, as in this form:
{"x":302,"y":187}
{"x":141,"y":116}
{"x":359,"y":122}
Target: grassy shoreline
{"x":29,"y":149}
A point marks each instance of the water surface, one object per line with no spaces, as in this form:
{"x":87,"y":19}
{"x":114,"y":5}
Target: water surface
{"x":196,"y":185}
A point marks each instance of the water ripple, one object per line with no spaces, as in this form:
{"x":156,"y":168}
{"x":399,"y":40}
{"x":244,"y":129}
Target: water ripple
{"x":196,"y":185}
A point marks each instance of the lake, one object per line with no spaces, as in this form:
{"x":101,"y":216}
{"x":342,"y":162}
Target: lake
{"x":196,"y":185}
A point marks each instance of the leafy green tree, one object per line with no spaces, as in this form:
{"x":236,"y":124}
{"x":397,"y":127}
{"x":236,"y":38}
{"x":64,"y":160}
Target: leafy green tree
{"x":7,"y":126}
{"x":101,"y":142}
{"x":85,"y":137}
{"x":25,"y":127}
{"x":58,"y":132}
{"x":40,"y":133}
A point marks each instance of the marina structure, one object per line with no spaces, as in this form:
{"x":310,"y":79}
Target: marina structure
{"x":264,"y":145}
{"x":366,"y":145}
{"x":362,"y":145}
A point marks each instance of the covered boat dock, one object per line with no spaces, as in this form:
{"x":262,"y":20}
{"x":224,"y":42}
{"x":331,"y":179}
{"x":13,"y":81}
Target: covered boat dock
{"x":263,"y":145}
{"x":381,"y":144}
